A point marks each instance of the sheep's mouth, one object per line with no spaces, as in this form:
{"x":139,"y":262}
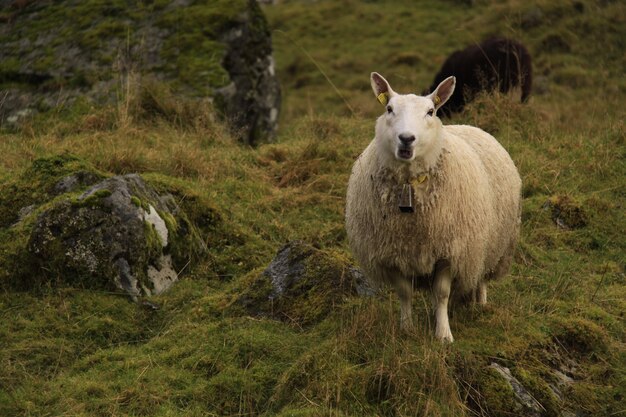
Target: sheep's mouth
{"x":405,"y":153}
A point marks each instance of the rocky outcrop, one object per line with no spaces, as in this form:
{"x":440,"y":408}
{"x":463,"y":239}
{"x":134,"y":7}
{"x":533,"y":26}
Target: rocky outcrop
{"x":289,"y":268}
{"x":118,"y":233}
{"x":252,"y":99}
{"x":64,"y":223}
{"x":302,"y":285}
{"x":527,"y":404}
{"x":52,"y":53}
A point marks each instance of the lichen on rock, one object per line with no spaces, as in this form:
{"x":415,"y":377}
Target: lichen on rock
{"x":65,"y":223}
{"x":103,"y":239}
{"x":524,"y":402}
{"x":301,"y":285}
{"x":252,"y":100}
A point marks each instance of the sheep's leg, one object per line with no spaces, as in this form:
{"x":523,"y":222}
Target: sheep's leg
{"x":441,"y":294}
{"x":479,"y":294}
{"x":482,"y":293}
{"x":404,"y":289}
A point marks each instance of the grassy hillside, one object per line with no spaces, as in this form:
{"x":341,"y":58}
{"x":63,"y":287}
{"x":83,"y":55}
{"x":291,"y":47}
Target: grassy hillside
{"x":70,"y":351}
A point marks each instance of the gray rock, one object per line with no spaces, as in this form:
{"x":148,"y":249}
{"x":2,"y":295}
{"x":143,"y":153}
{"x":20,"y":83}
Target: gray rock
{"x":24,"y":211}
{"x":563,"y":381}
{"x":114,"y":235}
{"x":532,"y":408}
{"x":289,"y":267}
{"x":75,"y":181}
{"x":302,"y":284}
{"x":20,"y":116}
{"x":252,"y":100}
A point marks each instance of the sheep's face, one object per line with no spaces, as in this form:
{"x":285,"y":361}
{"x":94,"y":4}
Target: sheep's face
{"x":410,"y":129}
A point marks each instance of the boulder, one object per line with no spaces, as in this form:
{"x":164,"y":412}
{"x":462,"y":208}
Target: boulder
{"x":302,"y":285}
{"x":251,"y":101}
{"x":118,"y":233}
{"x":57,"y":53}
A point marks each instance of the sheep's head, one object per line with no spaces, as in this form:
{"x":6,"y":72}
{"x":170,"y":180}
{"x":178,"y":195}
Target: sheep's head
{"x":410,"y":129}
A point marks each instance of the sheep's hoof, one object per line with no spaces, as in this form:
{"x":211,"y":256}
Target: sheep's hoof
{"x":444,"y":335}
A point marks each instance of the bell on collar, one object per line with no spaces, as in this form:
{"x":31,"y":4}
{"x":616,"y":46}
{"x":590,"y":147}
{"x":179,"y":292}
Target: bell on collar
{"x":406,"y":199}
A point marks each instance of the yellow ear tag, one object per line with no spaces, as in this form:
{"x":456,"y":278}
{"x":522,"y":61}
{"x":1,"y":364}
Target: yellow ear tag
{"x":436,"y":100}
{"x":383,"y":98}
{"x":419,"y":180}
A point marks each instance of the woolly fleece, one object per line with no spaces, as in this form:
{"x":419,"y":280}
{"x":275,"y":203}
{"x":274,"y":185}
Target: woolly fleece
{"x":468,"y":212}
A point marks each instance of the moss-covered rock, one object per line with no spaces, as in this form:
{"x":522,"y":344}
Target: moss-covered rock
{"x":23,"y":197}
{"x":44,"y":180}
{"x":117,"y":234}
{"x":566,"y":213}
{"x":54,"y":52}
{"x":301,"y":285}
{"x":252,"y":99}
{"x":498,"y":393}
{"x":512,"y":390}
{"x":540,"y":390}
{"x":63,"y":222}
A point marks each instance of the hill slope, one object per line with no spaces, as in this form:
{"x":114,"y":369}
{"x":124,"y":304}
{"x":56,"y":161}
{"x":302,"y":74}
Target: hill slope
{"x":556,"y":322}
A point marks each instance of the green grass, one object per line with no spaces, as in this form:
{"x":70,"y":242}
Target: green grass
{"x":68,"y":351}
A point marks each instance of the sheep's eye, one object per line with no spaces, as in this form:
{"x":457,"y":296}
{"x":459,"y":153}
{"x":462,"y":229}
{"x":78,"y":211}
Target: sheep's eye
{"x":430,"y":112}
{"x":389,"y":109}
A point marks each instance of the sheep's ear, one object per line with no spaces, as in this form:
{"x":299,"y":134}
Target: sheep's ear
{"x":382,"y":90}
{"x":443,"y":92}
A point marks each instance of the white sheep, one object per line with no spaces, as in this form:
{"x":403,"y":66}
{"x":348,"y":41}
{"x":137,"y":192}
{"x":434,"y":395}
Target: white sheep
{"x":432,"y":205}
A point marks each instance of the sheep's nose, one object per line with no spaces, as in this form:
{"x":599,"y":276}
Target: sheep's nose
{"x":406,"y":138}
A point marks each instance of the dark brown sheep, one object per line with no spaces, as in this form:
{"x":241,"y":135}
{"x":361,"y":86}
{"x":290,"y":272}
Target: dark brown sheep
{"x":496,"y":63}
